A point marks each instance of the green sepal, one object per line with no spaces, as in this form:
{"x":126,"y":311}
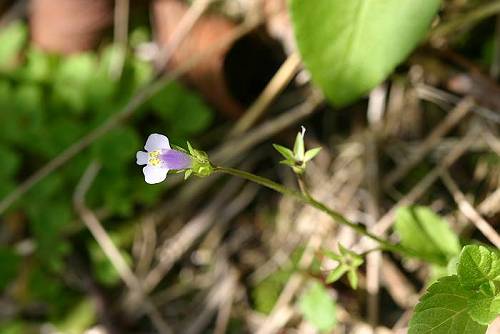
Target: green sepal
{"x":298,"y":147}
{"x":178,"y":148}
{"x":285,"y":152}
{"x":311,"y":154}
{"x":352,"y":277}
{"x":201,"y":165}
{"x":336,"y":273}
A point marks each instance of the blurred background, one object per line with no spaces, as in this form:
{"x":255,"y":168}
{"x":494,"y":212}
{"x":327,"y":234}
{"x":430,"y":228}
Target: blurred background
{"x":86,"y":246}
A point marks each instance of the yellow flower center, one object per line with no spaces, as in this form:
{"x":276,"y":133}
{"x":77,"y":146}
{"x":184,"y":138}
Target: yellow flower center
{"x":153,"y":158}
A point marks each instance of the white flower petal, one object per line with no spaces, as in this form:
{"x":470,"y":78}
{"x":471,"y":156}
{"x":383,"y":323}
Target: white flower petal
{"x":154,"y":174}
{"x":142,"y":158}
{"x":157,"y":142}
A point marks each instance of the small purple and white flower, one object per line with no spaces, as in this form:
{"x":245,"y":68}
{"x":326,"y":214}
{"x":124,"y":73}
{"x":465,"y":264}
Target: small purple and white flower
{"x":160,"y":158}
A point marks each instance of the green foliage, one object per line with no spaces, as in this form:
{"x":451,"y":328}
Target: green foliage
{"x":462,"y":303}
{"x":334,"y":37}
{"x":478,"y":265}
{"x":265,"y":293}
{"x":47,"y":227}
{"x":12,"y":39}
{"x":444,"y":309}
{"x":9,"y":265}
{"x":184,"y":112}
{"x":39,"y":67}
{"x":79,"y":318}
{"x":10,"y":162}
{"x":47,"y":103}
{"x":318,"y":307}
{"x":15,"y":327}
{"x":426,"y":234}
{"x":104,"y":270}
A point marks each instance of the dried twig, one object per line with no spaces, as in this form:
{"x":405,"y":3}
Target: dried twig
{"x":121,"y":16}
{"x":109,"y":248}
{"x":279,"y":81}
{"x":451,"y":120}
{"x":460,"y":148}
{"x":469,"y":211}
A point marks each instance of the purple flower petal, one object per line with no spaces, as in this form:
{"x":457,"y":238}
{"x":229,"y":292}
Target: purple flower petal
{"x":153,"y":174}
{"x":142,"y":158}
{"x":177,"y":160}
{"x":157,"y":142}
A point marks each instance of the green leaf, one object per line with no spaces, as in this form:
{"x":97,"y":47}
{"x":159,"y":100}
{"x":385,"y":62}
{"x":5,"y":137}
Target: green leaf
{"x":10,"y":162}
{"x":332,"y":255}
{"x":285,"y":152}
{"x":495,"y":305}
{"x":445,"y":309}
{"x":47,"y":226}
{"x":12,"y":39}
{"x":311,"y":154}
{"x":426,"y":234}
{"x":72,"y":81}
{"x":185,"y":111}
{"x":10,"y":262}
{"x":318,"y":307}
{"x":39,"y":66}
{"x":478,"y":265}
{"x":79,"y":318}
{"x":352,"y":46}
{"x":117,"y":148}
{"x":484,"y":309}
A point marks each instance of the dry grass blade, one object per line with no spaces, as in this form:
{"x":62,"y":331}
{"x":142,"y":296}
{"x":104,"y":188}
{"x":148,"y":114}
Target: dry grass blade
{"x":273,"y":88}
{"x":110,"y":250}
{"x":458,"y":150}
{"x":469,"y":211}
{"x":451,"y":120}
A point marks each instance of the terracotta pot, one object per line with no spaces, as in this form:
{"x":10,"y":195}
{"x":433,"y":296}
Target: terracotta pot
{"x":208,"y":76}
{"x":69,"y":26}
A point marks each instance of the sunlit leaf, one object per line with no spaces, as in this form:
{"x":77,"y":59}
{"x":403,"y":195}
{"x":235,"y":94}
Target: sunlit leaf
{"x":444,"y":309}
{"x":318,"y":307}
{"x":426,"y":234}
{"x":478,"y":265}
{"x":12,"y":39}
{"x":351,"y":46}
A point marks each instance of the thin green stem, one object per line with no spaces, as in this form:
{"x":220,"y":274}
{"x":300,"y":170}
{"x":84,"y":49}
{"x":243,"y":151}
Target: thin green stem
{"x":307,"y":199}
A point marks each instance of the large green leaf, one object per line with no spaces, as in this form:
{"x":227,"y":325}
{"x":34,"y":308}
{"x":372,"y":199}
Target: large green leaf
{"x":426,"y":234}
{"x":351,"y":46}
{"x":478,"y":265}
{"x":445,"y":309}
